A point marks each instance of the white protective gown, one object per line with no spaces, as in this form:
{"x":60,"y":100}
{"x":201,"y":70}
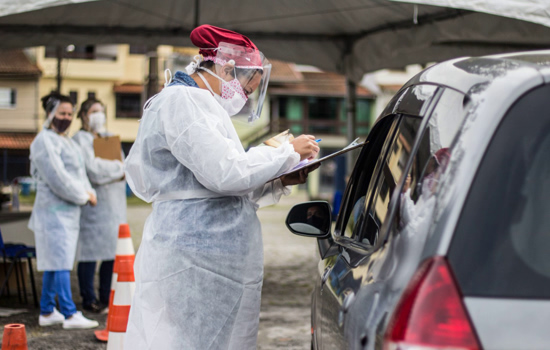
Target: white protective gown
{"x":99,"y":224}
{"x":62,"y":186}
{"x":199,"y":268}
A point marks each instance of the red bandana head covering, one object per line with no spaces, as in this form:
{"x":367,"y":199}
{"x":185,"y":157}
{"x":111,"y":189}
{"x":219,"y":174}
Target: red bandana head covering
{"x":208,"y":39}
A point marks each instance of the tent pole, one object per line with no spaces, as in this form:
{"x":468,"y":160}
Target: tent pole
{"x":197,"y":14}
{"x":351,"y":104}
{"x":153,"y":77}
{"x":59,"y":54}
{"x":5,"y":172}
{"x":351,"y":115}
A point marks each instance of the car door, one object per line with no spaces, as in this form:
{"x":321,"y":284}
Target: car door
{"x":337,"y":280}
{"x":340,"y":279}
{"x":405,"y":214}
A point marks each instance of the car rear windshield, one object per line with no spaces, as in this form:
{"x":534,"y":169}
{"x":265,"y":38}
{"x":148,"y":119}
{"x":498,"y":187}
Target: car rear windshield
{"x":501,"y":247}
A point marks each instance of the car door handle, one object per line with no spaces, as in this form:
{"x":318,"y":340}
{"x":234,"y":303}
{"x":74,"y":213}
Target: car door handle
{"x":326,"y":273}
{"x":348,"y":299}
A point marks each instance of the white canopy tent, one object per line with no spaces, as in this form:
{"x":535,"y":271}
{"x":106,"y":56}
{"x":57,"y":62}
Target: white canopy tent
{"x":347,"y":36}
{"x":352,"y":37}
{"x":536,"y":11}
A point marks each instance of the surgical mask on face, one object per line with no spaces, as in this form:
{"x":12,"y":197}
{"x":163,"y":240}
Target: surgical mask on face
{"x":232,"y":97}
{"x":61,"y":124}
{"x":97,"y":122}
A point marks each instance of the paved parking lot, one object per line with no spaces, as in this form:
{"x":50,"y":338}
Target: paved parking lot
{"x":290,"y":263}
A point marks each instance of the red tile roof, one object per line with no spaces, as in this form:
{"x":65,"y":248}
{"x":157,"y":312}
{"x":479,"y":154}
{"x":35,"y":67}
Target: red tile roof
{"x":14,"y":140}
{"x":321,"y":84}
{"x":16,"y":63}
{"x":284,"y":72}
{"x":128,"y":88}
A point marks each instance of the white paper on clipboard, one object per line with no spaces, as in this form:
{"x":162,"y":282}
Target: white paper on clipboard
{"x":354,"y":145}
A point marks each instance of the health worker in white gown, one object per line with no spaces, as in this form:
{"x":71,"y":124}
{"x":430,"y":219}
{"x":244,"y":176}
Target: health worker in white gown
{"x":98,"y":225}
{"x":199,"y":268}
{"x":62,"y":189}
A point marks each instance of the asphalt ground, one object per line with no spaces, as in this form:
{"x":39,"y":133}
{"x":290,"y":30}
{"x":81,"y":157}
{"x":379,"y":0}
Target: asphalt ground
{"x":289,"y":274}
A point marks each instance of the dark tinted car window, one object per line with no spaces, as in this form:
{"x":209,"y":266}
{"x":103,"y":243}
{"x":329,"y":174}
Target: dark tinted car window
{"x":501,"y":247}
{"x":358,"y":185}
{"x":391,"y":171}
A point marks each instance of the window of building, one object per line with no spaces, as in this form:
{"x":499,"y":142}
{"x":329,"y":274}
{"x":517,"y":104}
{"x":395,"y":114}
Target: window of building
{"x":291,"y":109}
{"x":73,"y":96}
{"x":138,"y":49}
{"x":85,"y":52}
{"x":128,"y":105}
{"x":322,"y":115}
{"x":91,"y":95}
{"x":282,"y":107}
{"x":8,"y":97}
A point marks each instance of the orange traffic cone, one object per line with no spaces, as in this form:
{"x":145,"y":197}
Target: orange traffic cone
{"x":118,"y":317}
{"x":15,"y":337}
{"x":124,"y":248}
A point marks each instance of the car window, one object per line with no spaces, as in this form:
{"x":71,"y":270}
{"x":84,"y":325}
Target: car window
{"x":415,"y":201}
{"x":416,"y":100}
{"x":354,"y":202}
{"x":502,"y":241}
{"x":392,"y":169}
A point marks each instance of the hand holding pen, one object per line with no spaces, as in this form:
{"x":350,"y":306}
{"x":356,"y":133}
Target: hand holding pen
{"x":306,"y":146}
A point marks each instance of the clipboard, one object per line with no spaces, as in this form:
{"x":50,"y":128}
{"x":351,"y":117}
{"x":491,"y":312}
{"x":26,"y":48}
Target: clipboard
{"x":108,"y":147}
{"x":354,"y":145}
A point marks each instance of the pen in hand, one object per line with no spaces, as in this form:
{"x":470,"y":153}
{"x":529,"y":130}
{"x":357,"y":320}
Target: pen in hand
{"x":318,"y":140}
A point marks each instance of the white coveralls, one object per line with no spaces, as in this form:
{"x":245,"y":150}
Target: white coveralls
{"x":62,"y":186}
{"x":99,"y":224}
{"x":199,"y":268}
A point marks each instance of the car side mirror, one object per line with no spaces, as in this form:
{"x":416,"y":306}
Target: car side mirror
{"x":310,"y":219}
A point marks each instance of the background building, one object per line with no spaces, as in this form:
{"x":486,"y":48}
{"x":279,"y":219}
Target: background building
{"x":307,"y":100}
{"x":19,"y":96}
{"x":301,"y":98}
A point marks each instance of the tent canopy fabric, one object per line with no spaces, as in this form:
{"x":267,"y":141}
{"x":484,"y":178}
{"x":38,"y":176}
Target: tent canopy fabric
{"x":345,"y":36}
{"x":536,"y":11}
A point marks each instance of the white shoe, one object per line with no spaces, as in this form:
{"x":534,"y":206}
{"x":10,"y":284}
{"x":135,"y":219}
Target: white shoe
{"x":78,"y":321}
{"x":54,"y":318}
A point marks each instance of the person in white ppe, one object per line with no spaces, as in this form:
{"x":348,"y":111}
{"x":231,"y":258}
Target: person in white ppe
{"x":62,"y":188}
{"x":199,"y":268}
{"x":98,"y":225}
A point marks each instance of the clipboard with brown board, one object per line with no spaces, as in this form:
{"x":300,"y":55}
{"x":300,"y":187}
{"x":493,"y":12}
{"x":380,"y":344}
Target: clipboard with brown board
{"x":354,"y":145}
{"x":108,"y":147}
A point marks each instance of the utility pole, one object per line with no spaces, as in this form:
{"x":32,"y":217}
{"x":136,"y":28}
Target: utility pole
{"x":59,"y":54}
{"x":351,"y":105}
{"x":153,"y":77}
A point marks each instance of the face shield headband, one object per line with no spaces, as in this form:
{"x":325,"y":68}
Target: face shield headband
{"x":252,"y":70}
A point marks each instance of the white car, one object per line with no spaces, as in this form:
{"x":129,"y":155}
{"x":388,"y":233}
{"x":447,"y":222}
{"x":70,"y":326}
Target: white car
{"x":443,"y":236}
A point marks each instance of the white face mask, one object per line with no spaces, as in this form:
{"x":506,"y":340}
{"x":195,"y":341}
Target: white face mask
{"x":97,"y":122}
{"x":232,"y":97}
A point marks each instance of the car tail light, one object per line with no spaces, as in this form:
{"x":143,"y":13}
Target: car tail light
{"x":430,"y":314}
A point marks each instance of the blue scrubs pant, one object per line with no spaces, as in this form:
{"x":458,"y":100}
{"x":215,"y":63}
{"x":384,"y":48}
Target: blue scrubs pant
{"x":57,"y":283}
{"x":86,"y":274}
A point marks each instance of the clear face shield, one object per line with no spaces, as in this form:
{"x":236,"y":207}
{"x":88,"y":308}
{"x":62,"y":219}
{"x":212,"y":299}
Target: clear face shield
{"x":244,"y":75}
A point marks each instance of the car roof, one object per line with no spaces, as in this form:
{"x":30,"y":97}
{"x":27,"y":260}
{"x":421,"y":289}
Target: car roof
{"x":493,"y":83}
{"x":466,"y":74}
